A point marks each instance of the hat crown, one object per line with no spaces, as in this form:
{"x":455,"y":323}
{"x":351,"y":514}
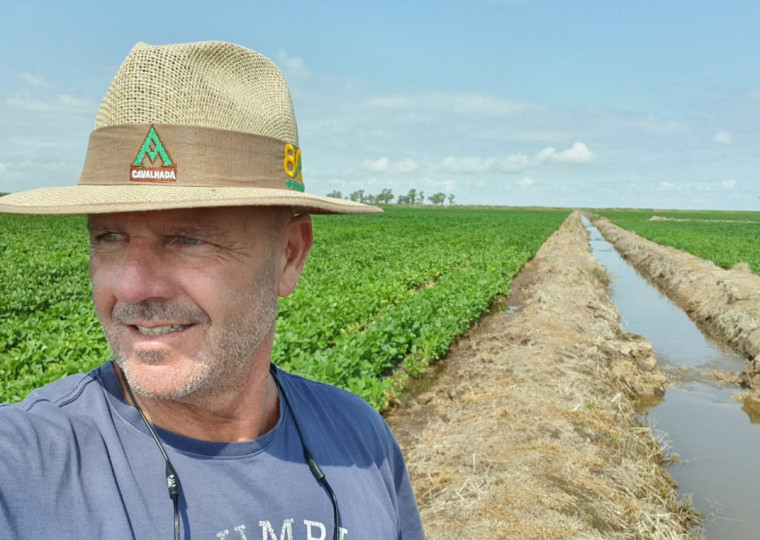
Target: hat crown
{"x":209,"y":84}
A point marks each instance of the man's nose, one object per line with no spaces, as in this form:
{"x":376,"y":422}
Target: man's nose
{"x":143,"y":274}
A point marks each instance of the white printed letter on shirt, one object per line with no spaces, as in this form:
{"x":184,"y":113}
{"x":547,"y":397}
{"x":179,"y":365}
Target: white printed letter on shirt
{"x":267,"y":532}
{"x":318,"y":525}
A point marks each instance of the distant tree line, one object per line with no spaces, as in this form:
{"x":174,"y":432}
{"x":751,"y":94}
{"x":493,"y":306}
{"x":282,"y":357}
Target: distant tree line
{"x":386,"y":197}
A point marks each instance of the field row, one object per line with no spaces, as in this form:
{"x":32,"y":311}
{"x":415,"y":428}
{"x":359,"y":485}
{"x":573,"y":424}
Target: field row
{"x":377,"y":292}
{"x":726,"y":238}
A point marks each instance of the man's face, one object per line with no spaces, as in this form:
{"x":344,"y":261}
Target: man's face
{"x":187,"y":298}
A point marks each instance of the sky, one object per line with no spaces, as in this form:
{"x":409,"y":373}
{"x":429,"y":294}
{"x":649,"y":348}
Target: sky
{"x":571,"y":103}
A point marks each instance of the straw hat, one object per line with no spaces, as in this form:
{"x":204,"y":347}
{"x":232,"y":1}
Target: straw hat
{"x":189,"y":125}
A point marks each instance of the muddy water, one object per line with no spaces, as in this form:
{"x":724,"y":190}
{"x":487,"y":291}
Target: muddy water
{"x":715,"y":438}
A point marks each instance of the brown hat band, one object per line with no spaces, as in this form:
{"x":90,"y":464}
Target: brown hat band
{"x":189,"y":156}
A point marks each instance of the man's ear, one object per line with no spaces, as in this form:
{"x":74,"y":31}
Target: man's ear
{"x":298,"y":237}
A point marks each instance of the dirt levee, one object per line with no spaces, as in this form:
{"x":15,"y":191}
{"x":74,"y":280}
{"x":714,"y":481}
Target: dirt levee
{"x":724,"y":303}
{"x":530,"y":430}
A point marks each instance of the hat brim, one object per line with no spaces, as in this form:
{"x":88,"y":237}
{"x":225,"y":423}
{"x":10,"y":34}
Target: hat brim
{"x":96,"y":199}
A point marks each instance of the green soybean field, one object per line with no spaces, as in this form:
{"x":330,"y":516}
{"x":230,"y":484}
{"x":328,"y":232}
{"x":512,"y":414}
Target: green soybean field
{"x":381,"y":296}
{"x":725,"y":238}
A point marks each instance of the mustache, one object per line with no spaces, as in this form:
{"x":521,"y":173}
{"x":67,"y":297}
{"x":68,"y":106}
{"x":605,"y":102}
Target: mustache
{"x":151,"y":310}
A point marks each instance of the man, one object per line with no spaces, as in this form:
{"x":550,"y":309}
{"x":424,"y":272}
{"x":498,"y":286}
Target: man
{"x":198,"y":222}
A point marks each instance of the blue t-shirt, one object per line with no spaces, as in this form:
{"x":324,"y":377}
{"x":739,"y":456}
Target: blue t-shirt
{"x":76,"y":461}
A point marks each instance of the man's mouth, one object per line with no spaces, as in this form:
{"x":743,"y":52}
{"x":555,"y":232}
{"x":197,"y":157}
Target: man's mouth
{"x":160,"y":330}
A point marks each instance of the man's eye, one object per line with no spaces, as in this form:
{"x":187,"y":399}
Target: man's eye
{"x":189,"y":241}
{"x":108,"y":237}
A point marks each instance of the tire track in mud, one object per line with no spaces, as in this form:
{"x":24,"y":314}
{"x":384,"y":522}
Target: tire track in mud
{"x":725,"y":304}
{"x":530,"y":431}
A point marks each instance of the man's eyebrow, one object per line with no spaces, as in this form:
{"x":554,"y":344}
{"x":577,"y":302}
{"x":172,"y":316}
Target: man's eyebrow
{"x":195,"y":231}
{"x":94,"y":227}
{"x":178,"y":230}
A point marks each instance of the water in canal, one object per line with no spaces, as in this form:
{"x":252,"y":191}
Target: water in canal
{"x":716,"y":439}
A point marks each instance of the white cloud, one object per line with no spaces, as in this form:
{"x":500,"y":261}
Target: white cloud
{"x":385,"y":165}
{"x":668,"y":185}
{"x":37,"y":143}
{"x":476,"y":165}
{"x":476,"y":104}
{"x":376,"y":165}
{"x":722,"y":137}
{"x":516,"y":163}
{"x":579,"y":153}
{"x":466,"y":165}
{"x":16,"y":175}
{"x":546,"y":154}
{"x":3,"y":168}
{"x":526,"y":181}
{"x":31,"y":79}
{"x":29,"y":105}
{"x":431,"y":184}
{"x":292,"y":66}
{"x":393,"y":102}
{"x":659,"y":127}
{"x":728,"y":184}
{"x":63,"y":103}
{"x":405,"y":166}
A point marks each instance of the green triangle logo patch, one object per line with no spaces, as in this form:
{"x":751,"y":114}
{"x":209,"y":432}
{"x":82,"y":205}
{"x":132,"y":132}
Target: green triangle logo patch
{"x":153,"y":149}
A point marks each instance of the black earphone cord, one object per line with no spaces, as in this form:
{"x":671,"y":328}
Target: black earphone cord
{"x":172,"y":479}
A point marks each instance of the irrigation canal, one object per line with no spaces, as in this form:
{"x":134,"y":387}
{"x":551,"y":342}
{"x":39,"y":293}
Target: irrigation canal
{"x":715,"y":438}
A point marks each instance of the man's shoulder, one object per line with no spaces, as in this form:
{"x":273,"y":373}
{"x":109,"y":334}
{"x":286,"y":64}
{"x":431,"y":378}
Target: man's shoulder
{"x":56,"y":406}
{"x":319,"y":401}
{"x":64,"y":392}
{"x":325,"y":395}
{"x":52,"y":427}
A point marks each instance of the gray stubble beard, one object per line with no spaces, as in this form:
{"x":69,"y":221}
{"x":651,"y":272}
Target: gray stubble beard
{"x":226,"y":359}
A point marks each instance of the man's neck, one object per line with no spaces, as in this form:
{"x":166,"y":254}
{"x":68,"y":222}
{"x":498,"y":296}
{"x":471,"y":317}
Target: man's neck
{"x":238,"y":414}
